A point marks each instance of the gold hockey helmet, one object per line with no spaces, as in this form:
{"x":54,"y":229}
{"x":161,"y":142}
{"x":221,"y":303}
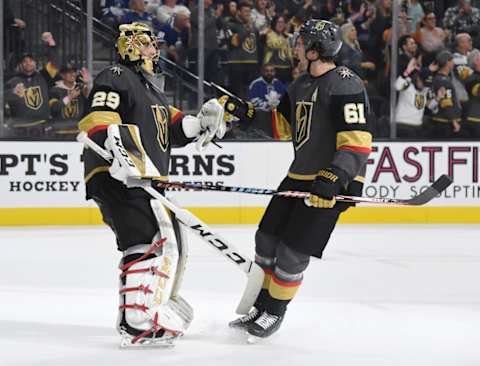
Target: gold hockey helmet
{"x":133,"y":37}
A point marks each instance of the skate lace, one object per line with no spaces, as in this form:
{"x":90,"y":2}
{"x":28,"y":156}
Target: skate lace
{"x":266,"y":320}
{"x":250,"y":316}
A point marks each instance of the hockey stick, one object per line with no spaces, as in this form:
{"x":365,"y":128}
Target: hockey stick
{"x":430,"y":193}
{"x":253,"y":271}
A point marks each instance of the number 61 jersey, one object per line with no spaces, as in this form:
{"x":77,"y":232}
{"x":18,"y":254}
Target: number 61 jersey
{"x":128,"y":95}
{"x":328,"y":116}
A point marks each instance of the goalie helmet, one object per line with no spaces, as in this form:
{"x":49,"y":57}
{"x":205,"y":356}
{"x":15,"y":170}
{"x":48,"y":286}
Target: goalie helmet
{"x":133,"y":43}
{"x":321,"y":36}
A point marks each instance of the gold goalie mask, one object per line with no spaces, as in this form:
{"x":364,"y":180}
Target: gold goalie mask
{"x":138,"y":45}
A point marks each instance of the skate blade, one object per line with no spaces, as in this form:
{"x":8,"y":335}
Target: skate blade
{"x":126,"y":343}
{"x":251,"y":339}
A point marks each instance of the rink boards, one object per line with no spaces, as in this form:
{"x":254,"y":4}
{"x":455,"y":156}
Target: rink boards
{"x":42,"y":182}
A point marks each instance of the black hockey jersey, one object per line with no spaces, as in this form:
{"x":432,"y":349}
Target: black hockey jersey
{"x":448,"y":106}
{"x":74,"y":109}
{"x":329,"y":123}
{"x":472,"y":108}
{"x":124,"y":95}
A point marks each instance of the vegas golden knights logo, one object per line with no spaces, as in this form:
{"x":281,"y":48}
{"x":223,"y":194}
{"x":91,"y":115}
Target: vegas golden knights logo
{"x":70,"y":110}
{"x":419,"y":101}
{"x":33,"y":97}
{"x":250,"y":44}
{"x":303,"y":120}
{"x":160,"y":114}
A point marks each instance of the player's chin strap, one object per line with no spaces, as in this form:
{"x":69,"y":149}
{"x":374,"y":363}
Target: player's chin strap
{"x":253,"y":271}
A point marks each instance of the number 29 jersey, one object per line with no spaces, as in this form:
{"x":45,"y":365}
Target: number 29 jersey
{"x":125,"y":95}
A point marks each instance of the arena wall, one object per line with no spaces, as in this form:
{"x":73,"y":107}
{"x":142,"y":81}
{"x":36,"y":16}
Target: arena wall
{"x":41,"y":183}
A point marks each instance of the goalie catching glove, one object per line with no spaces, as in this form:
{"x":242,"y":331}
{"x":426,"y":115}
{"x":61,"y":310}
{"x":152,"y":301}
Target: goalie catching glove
{"x":208,"y":124}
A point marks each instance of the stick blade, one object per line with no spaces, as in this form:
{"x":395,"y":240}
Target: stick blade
{"x":431,"y":192}
{"x":254,"y":284}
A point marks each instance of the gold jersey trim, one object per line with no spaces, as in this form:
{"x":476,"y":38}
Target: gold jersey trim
{"x":361,"y":139}
{"x":99,"y":169}
{"x":94,"y":119}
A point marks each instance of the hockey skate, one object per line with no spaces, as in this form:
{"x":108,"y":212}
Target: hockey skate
{"x":167,"y":339}
{"x":244,"y":321}
{"x":264,"y":326}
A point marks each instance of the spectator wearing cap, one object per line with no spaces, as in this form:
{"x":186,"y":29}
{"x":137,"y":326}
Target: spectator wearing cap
{"x":176,"y":35}
{"x":428,"y":35}
{"x":27,"y":93}
{"x":461,"y":18}
{"x":68,"y":98}
{"x":446,"y":113}
{"x":412,"y":99}
{"x":137,"y":13}
{"x":471,"y":123}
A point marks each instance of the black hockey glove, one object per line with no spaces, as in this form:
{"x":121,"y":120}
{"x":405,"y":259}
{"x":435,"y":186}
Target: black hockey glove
{"x":245,"y":111}
{"x":328,"y":183}
{"x":355,"y":188}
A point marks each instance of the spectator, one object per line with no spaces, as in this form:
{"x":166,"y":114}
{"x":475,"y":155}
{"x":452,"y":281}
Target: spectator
{"x":461,"y":70}
{"x":266,"y":91}
{"x":113,"y":11}
{"x":213,"y":21}
{"x":68,"y":99}
{"x":166,"y":11}
{"x":428,"y":35}
{"x":27,"y":94}
{"x":362,"y":17}
{"x":296,"y":73}
{"x":445,"y":121}
{"x":415,"y":14}
{"x":230,"y":11}
{"x":261,"y":16}
{"x":11,"y":36}
{"x":461,"y":18}
{"x":243,"y":52}
{"x":351,"y":54}
{"x":407,"y":50}
{"x":381,"y":22}
{"x":137,"y":13}
{"x":176,"y":35}
{"x":412,"y":98}
{"x":278,"y":51}
{"x":472,"y":108}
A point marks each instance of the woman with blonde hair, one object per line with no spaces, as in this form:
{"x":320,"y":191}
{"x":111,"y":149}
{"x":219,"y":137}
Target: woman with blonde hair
{"x":351,"y":55}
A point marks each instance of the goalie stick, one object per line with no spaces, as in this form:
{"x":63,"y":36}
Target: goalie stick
{"x":426,"y":196}
{"x":253,"y":271}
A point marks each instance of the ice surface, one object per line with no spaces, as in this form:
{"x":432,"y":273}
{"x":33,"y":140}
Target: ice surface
{"x":382,"y":295}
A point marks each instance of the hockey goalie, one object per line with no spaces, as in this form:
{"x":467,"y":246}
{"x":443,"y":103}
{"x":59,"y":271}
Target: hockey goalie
{"x":129,"y":117}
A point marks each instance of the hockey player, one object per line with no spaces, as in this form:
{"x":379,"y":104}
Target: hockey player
{"x":128,"y":114}
{"x":327,"y":108}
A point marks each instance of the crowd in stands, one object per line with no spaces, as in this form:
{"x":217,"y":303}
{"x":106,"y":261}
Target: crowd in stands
{"x":250,"y":49}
